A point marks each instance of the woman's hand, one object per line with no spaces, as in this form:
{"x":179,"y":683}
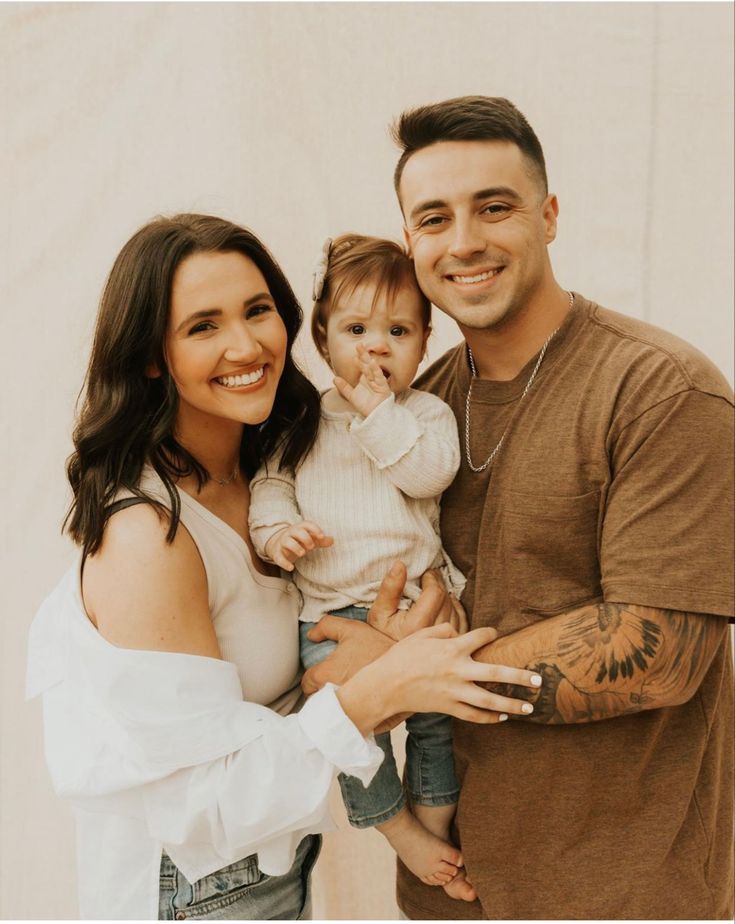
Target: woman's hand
{"x":434,"y":607}
{"x":433,"y":671}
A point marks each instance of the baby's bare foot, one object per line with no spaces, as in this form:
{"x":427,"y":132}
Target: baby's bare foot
{"x":432,"y":860}
{"x":460,"y":888}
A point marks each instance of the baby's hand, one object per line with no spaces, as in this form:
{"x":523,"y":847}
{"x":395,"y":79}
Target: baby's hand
{"x":372,"y":388}
{"x":293,"y":542}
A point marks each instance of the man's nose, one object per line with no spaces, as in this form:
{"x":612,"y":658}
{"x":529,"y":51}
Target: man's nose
{"x":467,"y":239}
{"x":242,"y":346}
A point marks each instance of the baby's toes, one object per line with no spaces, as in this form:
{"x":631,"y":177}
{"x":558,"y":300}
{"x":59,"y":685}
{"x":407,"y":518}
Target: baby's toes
{"x":460,"y":889}
{"x":441,"y":876}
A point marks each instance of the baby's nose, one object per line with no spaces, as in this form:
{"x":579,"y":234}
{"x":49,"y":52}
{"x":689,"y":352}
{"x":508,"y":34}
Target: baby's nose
{"x":378,"y":345}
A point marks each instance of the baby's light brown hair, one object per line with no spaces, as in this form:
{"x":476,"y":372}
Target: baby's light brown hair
{"x":356,"y":259}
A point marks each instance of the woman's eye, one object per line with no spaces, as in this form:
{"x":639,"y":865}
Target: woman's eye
{"x":397,"y":331}
{"x":201,"y":327}
{"x":356,"y":329}
{"x":256,"y":310}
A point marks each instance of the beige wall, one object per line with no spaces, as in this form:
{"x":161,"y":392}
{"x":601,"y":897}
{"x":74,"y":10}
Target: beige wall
{"x":275,"y":115}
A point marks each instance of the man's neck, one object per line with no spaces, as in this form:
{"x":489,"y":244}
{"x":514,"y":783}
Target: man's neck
{"x":501,"y":352}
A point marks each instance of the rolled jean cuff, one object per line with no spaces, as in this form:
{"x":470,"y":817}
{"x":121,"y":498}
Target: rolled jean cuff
{"x":450,"y":798}
{"x":370,"y":821}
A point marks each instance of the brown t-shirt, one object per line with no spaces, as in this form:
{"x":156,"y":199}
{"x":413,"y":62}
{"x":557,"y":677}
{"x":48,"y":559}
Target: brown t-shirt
{"x":614,"y":482}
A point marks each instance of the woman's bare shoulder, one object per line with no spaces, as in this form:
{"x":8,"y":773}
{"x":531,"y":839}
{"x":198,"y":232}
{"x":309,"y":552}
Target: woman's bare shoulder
{"x":143,"y":592}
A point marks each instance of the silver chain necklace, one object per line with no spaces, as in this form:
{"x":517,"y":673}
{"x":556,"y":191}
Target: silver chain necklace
{"x":529,"y":383}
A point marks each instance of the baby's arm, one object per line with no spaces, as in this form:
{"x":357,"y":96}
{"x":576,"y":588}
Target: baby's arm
{"x":417,"y":447}
{"x":279,"y":533}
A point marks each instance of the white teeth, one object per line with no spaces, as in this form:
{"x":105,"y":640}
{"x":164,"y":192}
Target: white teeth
{"x":236,"y":381}
{"x":481,"y":277}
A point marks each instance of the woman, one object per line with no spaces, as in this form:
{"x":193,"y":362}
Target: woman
{"x":168,"y":655}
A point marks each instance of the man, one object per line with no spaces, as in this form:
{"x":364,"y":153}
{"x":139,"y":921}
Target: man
{"x":601,"y":552}
{"x":598,"y":474}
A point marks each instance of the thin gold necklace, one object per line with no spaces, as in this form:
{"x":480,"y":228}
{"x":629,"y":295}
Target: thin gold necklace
{"x":223,"y":482}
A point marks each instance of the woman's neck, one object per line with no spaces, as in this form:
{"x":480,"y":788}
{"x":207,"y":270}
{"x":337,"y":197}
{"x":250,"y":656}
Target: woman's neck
{"x":214,"y":444}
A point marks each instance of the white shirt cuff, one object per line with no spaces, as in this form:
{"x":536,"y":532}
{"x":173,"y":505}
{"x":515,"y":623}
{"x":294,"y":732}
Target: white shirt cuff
{"x":323,"y":721}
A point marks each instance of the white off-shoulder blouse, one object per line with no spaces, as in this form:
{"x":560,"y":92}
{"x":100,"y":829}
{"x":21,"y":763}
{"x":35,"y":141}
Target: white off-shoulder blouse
{"x":163,"y":751}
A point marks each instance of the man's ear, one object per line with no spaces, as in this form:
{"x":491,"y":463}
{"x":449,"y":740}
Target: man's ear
{"x":550,"y":212}
{"x":407,"y":241}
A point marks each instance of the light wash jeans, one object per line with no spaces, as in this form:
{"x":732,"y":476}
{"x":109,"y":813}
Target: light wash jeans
{"x":240,"y":892}
{"x":429,"y":759}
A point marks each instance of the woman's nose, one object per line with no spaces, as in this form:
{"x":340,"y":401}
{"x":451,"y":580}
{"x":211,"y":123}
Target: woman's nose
{"x":243,"y":346}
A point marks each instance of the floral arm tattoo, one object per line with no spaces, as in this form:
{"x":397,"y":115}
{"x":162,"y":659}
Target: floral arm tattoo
{"x":608,"y":659}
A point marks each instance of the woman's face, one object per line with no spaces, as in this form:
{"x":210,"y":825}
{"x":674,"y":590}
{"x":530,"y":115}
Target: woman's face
{"x":225,"y":343}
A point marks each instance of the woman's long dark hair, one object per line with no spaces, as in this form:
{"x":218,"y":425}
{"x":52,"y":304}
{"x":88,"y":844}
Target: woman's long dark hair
{"x":128,"y":417}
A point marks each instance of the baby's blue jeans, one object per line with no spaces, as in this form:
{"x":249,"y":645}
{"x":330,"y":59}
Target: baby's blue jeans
{"x":429,"y":760}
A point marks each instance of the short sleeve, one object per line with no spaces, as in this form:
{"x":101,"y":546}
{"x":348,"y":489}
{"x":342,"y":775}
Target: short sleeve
{"x":667,"y":533}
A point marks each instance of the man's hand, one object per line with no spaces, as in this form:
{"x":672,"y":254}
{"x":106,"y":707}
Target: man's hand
{"x":293,"y":542}
{"x":433,"y":607}
{"x":358,"y":645}
{"x":372,"y":387}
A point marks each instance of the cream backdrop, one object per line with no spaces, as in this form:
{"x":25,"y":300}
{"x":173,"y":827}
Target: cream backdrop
{"x":275,"y":115}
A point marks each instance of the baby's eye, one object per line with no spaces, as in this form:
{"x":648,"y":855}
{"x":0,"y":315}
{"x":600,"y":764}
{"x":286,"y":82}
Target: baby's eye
{"x":397,"y":331}
{"x":356,"y":329}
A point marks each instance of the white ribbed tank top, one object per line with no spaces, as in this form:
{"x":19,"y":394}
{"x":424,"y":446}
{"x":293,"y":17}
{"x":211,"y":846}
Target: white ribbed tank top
{"x":255,"y":617}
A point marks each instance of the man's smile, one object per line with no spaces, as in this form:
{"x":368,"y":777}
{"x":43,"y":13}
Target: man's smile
{"x":470,"y":279}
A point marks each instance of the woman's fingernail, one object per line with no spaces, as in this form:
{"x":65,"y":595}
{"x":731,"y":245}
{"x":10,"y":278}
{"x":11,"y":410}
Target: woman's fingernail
{"x":503,"y":717}
{"x":536,"y":680}
{"x":527,"y":708}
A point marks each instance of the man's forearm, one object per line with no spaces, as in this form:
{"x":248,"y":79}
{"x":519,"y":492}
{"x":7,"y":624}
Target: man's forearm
{"x":609,"y":659}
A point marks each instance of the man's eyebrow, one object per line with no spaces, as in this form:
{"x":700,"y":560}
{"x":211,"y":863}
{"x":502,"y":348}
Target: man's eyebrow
{"x":505,"y":192}
{"x":217,"y":312}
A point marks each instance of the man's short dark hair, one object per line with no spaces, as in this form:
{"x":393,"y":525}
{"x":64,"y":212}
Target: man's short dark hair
{"x":467,"y":118}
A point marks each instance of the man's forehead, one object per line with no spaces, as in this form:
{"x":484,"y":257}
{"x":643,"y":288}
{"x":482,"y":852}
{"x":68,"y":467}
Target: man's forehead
{"x":452,"y":168}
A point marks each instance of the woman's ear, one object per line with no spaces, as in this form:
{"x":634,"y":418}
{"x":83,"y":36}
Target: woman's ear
{"x":152,"y":371}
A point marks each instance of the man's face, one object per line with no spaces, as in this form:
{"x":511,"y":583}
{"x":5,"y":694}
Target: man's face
{"x":477,"y":225}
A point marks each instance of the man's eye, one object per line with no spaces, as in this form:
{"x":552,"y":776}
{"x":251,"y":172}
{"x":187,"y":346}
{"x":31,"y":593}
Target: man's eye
{"x":496,"y":210}
{"x":356,"y":329}
{"x":431,"y":221}
{"x":397,"y":331}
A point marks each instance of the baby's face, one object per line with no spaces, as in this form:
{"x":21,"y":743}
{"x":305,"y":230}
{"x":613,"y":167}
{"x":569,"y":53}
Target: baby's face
{"x":392,"y":331}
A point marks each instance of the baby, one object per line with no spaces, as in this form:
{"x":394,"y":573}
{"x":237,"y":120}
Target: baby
{"x":366,"y":495}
